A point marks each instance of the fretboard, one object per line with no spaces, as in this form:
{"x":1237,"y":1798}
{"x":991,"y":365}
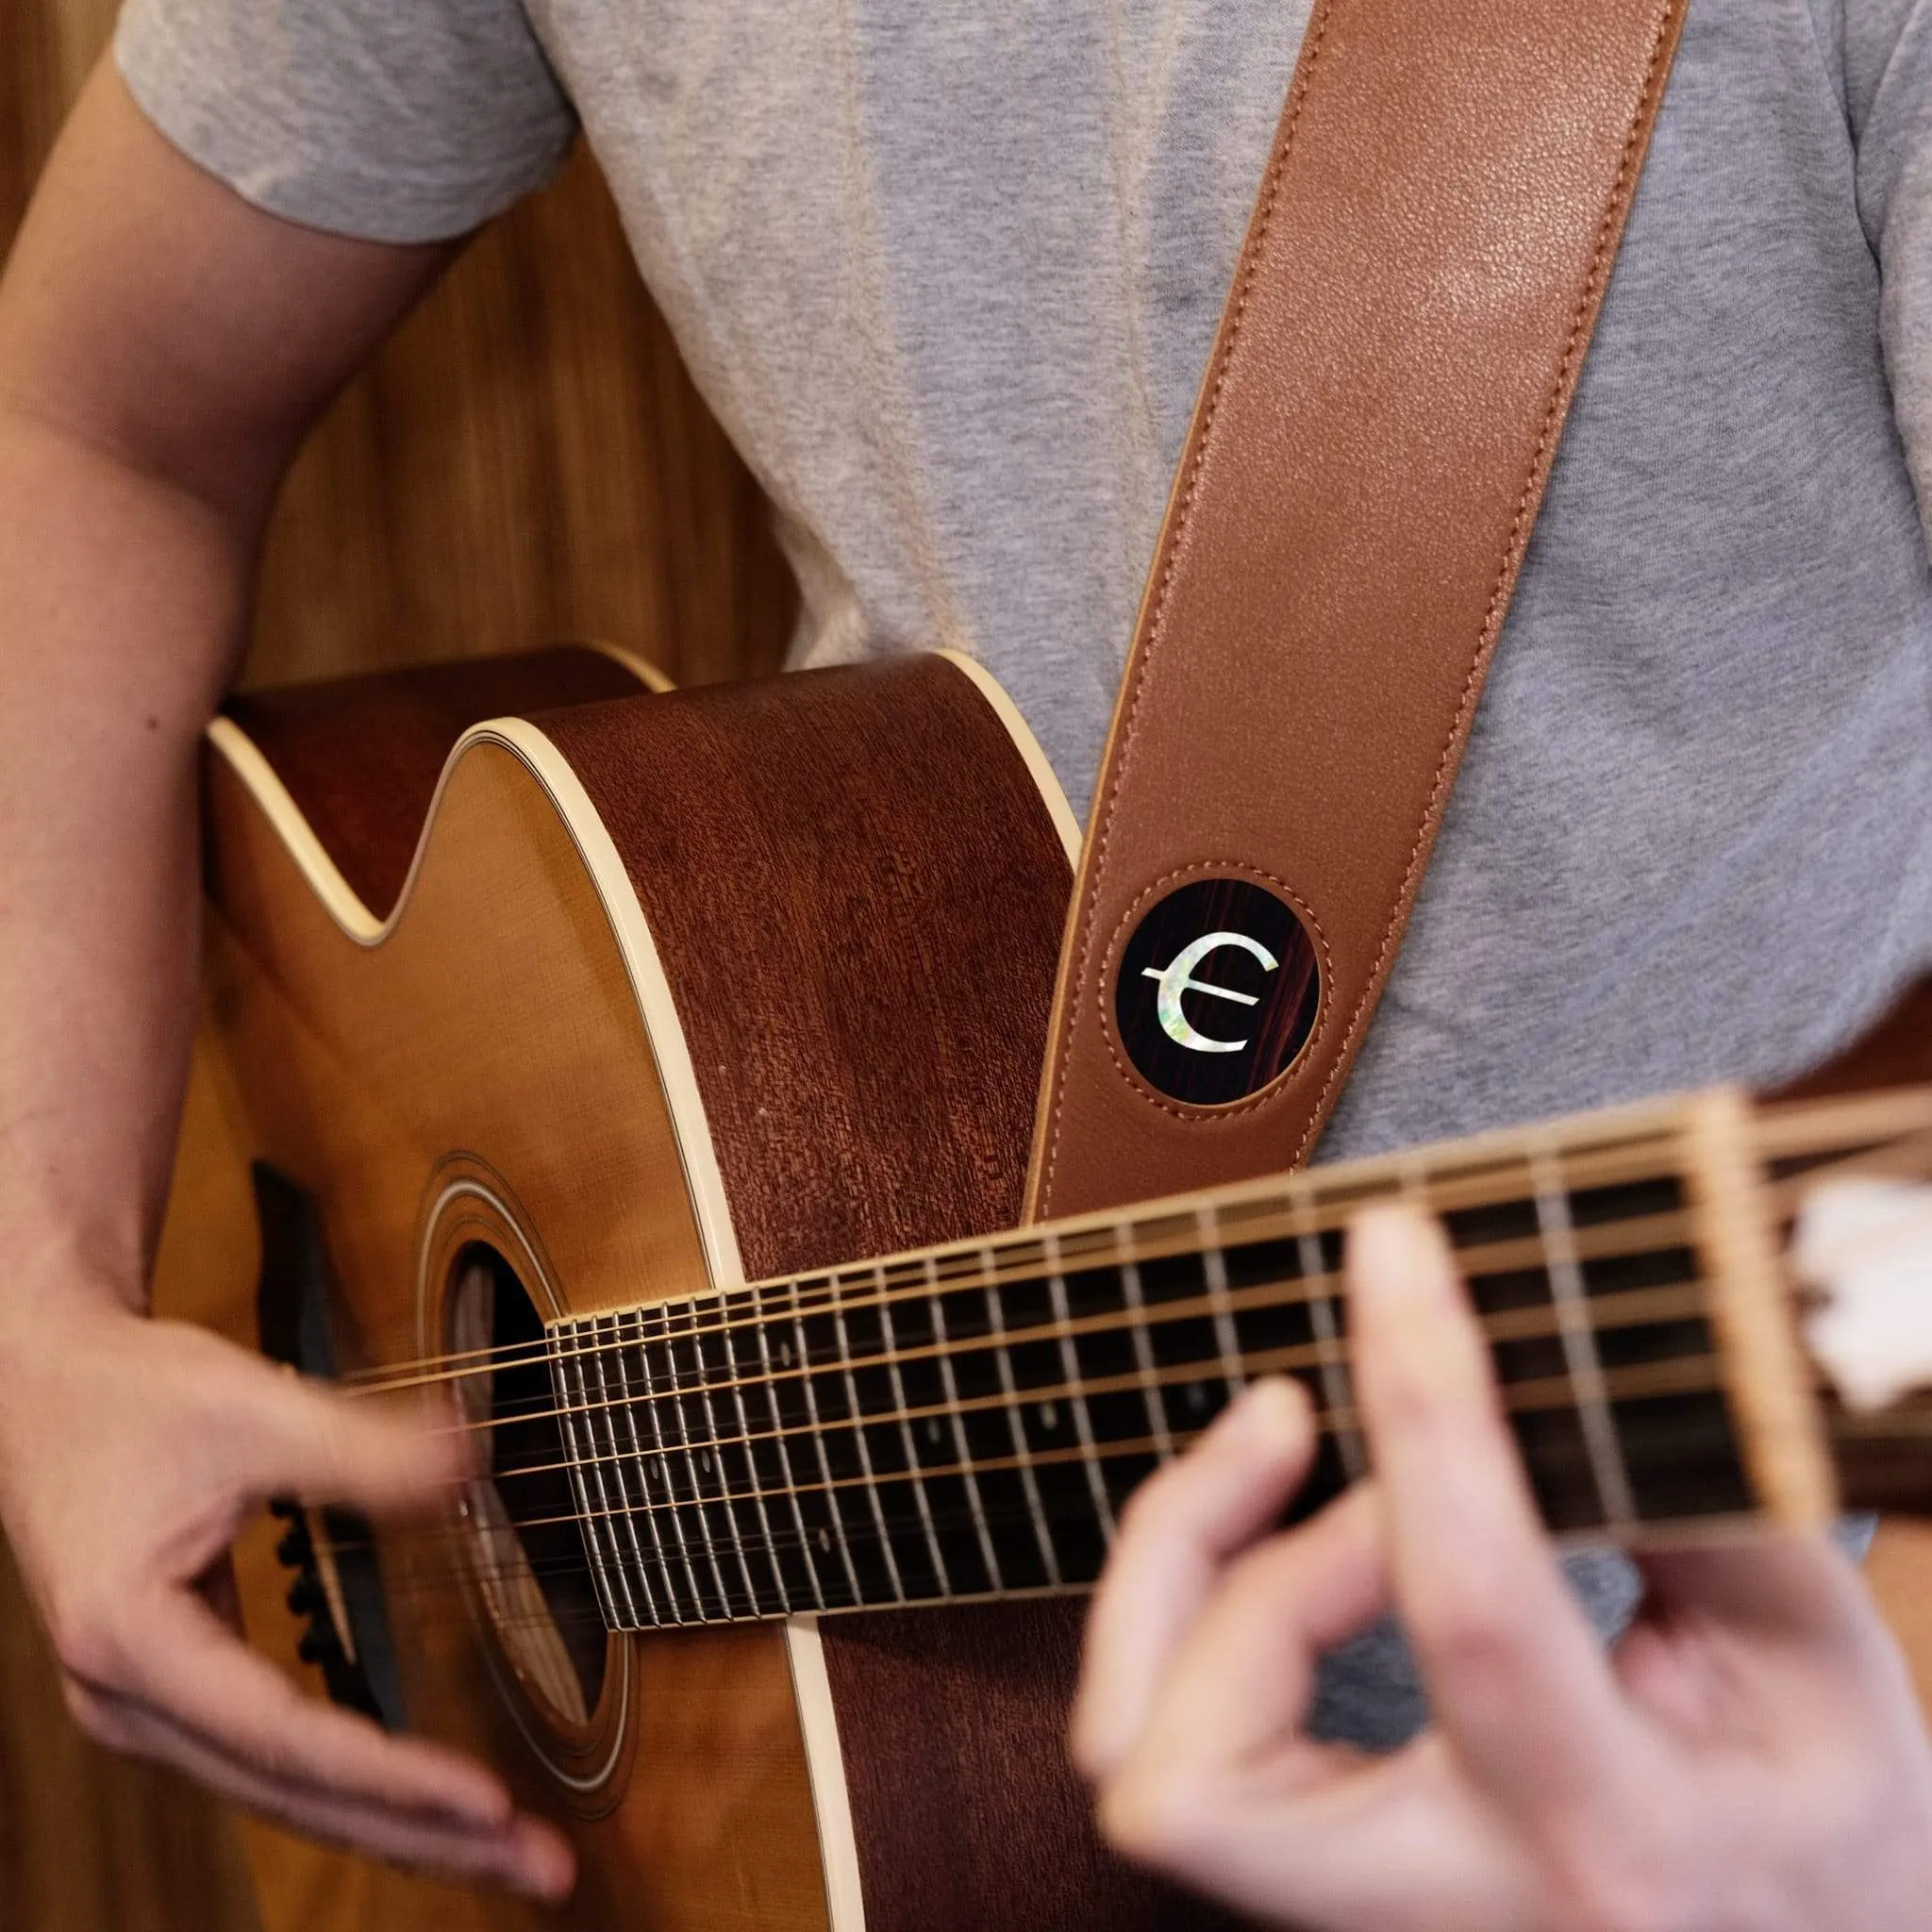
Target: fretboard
{"x":968,"y":1421}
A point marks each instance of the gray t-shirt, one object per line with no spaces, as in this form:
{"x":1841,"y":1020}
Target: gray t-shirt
{"x":948,"y":273}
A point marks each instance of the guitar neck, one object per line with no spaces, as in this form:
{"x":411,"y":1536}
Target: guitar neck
{"x":967,"y":1421}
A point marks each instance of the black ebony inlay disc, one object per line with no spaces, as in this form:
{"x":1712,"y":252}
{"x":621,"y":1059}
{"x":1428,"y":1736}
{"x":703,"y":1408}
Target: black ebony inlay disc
{"x":1218,"y":991}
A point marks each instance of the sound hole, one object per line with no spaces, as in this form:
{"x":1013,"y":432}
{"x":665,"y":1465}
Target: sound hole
{"x":525,"y":1548}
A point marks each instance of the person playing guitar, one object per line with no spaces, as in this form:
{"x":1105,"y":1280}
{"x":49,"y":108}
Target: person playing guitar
{"x":950,"y":280}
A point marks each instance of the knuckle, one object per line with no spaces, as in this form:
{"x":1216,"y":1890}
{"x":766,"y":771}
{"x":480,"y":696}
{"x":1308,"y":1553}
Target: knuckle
{"x":1623,"y":1901}
{"x":1473,"y":1637}
{"x":86,"y":1645}
{"x":92,"y":1717}
{"x":1622,"y":1880}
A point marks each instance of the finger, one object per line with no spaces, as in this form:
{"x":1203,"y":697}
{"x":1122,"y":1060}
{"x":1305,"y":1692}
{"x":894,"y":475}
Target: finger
{"x":1517,"y":1678}
{"x":1770,"y":1602}
{"x":327,"y":1448}
{"x":1238,"y":1682}
{"x":1176,"y":1534}
{"x":524,"y":1853}
{"x":1222,"y":1789}
{"x":192,"y":1668}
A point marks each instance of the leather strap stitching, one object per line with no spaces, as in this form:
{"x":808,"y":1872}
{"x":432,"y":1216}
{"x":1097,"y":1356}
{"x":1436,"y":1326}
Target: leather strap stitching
{"x":1594,"y":286}
{"x":1171,"y":542}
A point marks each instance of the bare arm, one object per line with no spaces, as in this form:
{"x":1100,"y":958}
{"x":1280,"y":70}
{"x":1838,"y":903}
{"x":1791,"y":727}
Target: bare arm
{"x":163,"y":348}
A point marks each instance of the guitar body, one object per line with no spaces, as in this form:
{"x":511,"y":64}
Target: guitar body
{"x":679,"y":990}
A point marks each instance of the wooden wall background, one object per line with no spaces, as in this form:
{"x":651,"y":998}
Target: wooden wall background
{"x":528,"y":462}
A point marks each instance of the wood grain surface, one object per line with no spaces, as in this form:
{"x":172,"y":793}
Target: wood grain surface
{"x":878,"y":1095}
{"x":360,"y":1071}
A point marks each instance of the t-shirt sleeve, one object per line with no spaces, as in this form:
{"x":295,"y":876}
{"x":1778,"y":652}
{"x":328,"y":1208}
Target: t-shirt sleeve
{"x":392,"y":119}
{"x":1888,"y":89}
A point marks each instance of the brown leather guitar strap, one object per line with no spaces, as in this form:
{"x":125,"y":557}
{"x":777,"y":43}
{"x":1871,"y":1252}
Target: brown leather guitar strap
{"x":1410,"y":312}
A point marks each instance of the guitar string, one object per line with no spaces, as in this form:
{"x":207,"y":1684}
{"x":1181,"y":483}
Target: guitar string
{"x":421,"y":1581}
{"x":1626,"y":1312}
{"x":963,"y":1264}
{"x":753,"y":1548}
{"x":1632,"y":1238}
{"x":1869,"y":1153}
{"x":1902,"y":1434}
{"x":1683,"y":1375}
{"x":1902,"y":1430}
{"x":1611,"y":1312}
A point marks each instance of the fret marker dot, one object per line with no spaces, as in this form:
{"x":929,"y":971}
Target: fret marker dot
{"x":1049,"y":1415}
{"x":1197,"y":1396}
{"x":824,"y":1540}
{"x":932,"y":1429}
{"x":785,"y":1353}
{"x":705,"y":1462}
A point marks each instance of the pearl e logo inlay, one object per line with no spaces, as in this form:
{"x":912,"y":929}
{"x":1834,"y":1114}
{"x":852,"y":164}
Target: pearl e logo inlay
{"x":1217,"y":992}
{"x":1178,"y":979}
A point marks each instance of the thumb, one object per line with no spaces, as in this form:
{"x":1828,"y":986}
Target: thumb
{"x":375,"y":1455}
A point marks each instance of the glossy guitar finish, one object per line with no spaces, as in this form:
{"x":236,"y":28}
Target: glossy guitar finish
{"x":681,"y":990}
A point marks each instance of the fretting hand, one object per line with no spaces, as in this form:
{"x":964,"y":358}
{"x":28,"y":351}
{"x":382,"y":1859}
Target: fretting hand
{"x":1750,"y":1759}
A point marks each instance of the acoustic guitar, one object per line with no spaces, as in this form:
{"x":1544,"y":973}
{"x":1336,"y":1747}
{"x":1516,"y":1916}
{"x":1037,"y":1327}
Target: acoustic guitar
{"x":650,"y":1077}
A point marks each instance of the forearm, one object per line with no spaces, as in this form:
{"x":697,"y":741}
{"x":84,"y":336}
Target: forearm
{"x":122,"y":601}
{"x":163,"y":348}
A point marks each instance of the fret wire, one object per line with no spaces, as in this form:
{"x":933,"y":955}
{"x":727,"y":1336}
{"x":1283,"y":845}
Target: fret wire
{"x":751,"y":1470}
{"x":598,"y":1367}
{"x":717,"y":1452}
{"x":654,"y":1415}
{"x":1338,"y":1385}
{"x":1571,"y":1296}
{"x":915,"y":1475}
{"x":1699,"y":1374}
{"x":672,"y":1398}
{"x":580,"y":1484}
{"x":1042,"y":1535}
{"x":1214,"y":1270}
{"x":818,"y":1442}
{"x":957,"y":1419}
{"x":1144,"y":1356}
{"x":627,"y":1414}
{"x":1629,"y":1308}
{"x":1069,"y":1368}
{"x":811,"y":1562}
{"x":858,"y":1437}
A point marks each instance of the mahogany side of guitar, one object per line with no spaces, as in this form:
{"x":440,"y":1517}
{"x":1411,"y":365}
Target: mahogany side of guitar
{"x":855,"y":1122}
{"x":855,"y":883}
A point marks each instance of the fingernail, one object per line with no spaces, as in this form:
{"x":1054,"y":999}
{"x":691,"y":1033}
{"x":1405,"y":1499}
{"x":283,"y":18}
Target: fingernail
{"x":546,"y":1866}
{"x":1396,"y":1253}
{"x":1273,"y":1412}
